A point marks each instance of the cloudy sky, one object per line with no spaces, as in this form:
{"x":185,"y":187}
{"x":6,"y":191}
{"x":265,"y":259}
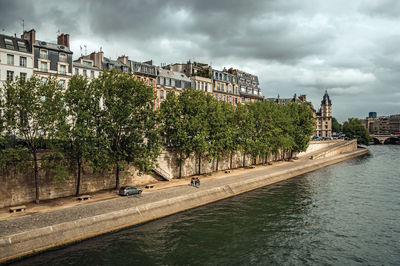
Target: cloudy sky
{"x":350,"y":48}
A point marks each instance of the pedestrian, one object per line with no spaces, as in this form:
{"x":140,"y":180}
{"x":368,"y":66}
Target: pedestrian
{"x":192,"y":181}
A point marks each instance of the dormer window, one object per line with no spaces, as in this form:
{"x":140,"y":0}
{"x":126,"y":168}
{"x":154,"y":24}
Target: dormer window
{"x":22,"y":46}
{"x":87,"y":63}
{"x":43,"y":54}
{"x":9,"y":44}
{"x":63,"y":57}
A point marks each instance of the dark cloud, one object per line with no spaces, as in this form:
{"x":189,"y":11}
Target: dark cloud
{"x":349,"y":48}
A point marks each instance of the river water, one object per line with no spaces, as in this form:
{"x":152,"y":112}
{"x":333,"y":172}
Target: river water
{"x":344,"y":214}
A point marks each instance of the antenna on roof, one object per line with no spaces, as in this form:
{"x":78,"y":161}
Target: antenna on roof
{"x":85,"y":49}
{"x":101,"y":49}
{"x":81,"y":49}
{"x":58,"y":31}
{"x":23,"y":25}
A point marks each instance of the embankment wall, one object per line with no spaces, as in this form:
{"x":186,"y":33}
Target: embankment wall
{"x":24,"y":243}
{"x":17,"y":187}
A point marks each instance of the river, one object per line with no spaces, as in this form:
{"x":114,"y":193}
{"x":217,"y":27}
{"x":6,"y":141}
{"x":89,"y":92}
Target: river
{"x":344,"y":214}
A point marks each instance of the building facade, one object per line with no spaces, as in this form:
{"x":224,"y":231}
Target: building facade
{"x":323,"y":118}
{"x":86,"y":68}
{"x":225,"y":87}
{"x":382,"y":125}
{"x":167,"y":81}
{"x":248,"y":86}
{"x":52,"y":59}
{"x":16,"y":58}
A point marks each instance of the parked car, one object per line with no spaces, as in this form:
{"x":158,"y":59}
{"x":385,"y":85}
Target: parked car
{"x":129,"y":190}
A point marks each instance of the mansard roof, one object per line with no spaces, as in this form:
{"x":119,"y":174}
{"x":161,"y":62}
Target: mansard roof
{"x":326,"y":97}
{"x":15,"y":44}
{"x":52,"y":46}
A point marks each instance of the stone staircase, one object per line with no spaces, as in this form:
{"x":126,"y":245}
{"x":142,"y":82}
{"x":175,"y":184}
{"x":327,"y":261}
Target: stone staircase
{"x":163,"y":173}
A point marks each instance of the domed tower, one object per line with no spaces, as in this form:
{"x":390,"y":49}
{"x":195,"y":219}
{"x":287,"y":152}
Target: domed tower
{"x":326,"y":116}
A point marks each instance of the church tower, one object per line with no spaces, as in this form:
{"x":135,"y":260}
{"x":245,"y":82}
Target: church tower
{"x":325,"y":119}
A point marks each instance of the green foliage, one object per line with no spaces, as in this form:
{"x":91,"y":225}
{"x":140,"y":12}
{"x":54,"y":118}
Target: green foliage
{"x":32,"y":111}
{"x":127,"y":122}
{"x":336,"y":126}
{"x":353,"y":128}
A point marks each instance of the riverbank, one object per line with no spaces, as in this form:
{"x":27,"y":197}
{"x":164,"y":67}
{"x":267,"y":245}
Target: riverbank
{"x":31,"y":233}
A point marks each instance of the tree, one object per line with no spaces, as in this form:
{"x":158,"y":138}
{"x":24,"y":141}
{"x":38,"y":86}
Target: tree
{"x":336,"y":126}
{"x":79,"y":130}
{"x":303,"y":126}
{"x":223,"y":133}
{"x":128,"y":122}
{"x":245,"y":127}
{"x":32,"y":110}
{"x":353,"y":128}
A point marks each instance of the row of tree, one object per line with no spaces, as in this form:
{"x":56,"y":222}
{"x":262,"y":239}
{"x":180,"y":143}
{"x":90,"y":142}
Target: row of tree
{"x":110,"y":122}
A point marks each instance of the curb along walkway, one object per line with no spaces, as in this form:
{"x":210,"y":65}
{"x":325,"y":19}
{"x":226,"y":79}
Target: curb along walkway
{"x":115,"y":213}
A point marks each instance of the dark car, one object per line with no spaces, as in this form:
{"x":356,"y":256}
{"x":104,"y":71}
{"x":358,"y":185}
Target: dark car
{"x":129,"y":190}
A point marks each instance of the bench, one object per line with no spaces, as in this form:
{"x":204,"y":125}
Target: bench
{"x":84,"y":197}
{"x":18,"y":208}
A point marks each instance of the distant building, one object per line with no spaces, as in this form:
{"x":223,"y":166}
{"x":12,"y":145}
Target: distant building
{"x":169,"y":80}
{"x":16,"y":58}
{"x":384,"y":125}
{"x":248,"y":84}
{"x":372,"y":114}
{"x":52,"y":59}
{"x":323,"y":117}
{"x":226,"y":87}
{"x":86,"y":68}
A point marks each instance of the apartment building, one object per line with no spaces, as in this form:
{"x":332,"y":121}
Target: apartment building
{"x":225,"y":87}
{"x":16,"y":58}
{"x":248,"y":86}
{"x":169,"y":80}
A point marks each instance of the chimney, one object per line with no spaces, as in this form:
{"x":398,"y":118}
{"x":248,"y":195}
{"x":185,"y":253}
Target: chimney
{"x":123,"y":59}
{"x":63,"y":39}
{"x":302,"y":97}
{"x":30,"y":36}
{"x":97,"y":59}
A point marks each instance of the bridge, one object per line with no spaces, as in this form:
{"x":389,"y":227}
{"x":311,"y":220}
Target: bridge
{"x":386,"y":139}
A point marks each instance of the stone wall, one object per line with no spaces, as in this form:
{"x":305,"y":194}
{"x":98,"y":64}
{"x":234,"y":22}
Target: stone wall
{"x":19,"y":188}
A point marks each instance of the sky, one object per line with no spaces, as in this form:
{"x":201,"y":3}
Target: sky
{"x":349,"y":48}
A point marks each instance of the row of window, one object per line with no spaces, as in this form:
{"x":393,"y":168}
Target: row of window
{"x":22,"y":60}
{"x":11,"y":75}
{"x":44,"y":55}
{"x":85,"y":73}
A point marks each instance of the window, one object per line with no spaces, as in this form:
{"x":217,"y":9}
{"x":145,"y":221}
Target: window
{"x":151,"y":82}
{"x":161,"y":94}
{"x":167,"y":81}
{"x":43,"y":54}
{"x":172,"y":82}
{"x":92,"y":74}
{"x":22,"y":61}
{"x":43,"y":66}
{"x":9,"y":44}
{"x":242,"y":99}
{"x":22,"y":46}
{"x":217,"y":86}
{"x":22,"y":76}
{"x":62,"y":69}
{"x":76,"y":71}
{"x":236,"y":100}
{"x":87,"y":63}
{"x":10,"y":59}
{"x":84,"y":73}
{"x":63,"y":57}
{"x":62,"y":84}
{"x":43,"y":80}
{"x":10,"y":75}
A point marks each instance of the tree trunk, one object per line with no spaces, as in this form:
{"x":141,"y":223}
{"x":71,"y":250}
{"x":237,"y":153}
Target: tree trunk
{"x":199,"y":164}
{"x":78,"y":180}
{"x":180,"y":165}
{"x":244,"y":159}
{"x":231,"y":160}
{"x":217,"y":163}
{"x":36,"y":173}
{"x":117,"y":177}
